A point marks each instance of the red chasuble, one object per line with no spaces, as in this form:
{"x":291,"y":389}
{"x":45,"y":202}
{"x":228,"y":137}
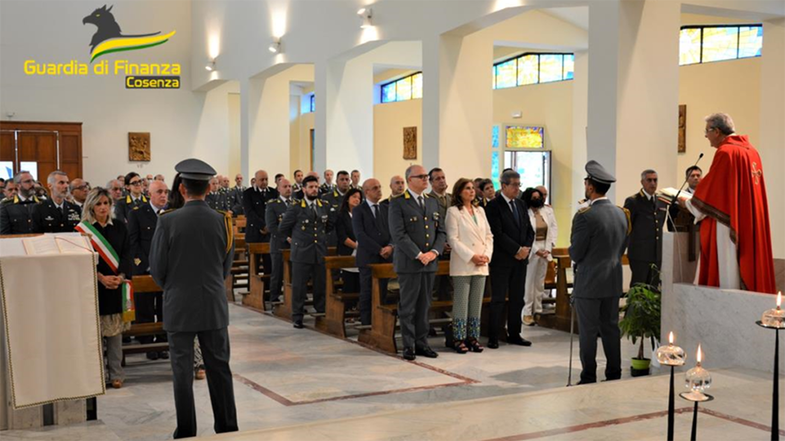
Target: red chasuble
{"x":734,"y":194}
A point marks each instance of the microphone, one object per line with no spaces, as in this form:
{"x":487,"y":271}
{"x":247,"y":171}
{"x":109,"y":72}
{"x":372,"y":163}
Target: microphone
{"x":676,"y":198}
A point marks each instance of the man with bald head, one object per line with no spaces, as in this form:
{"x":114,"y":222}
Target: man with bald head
{"x":328,"y":185}
{"x":254,"y":205}
{"x":371,"y":227}
{"x":79,"y":189}
{"x":397,"y":186}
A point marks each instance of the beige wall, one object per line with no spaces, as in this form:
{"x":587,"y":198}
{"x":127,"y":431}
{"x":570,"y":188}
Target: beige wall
{"x":234,"y":139}
{"x":549,"y":106}
{"x":388,"y":122}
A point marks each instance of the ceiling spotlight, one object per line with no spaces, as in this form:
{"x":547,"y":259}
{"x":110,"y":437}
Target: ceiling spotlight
{"x":275,"y":46}
{"x":211,"y":65}
{"x":367,"y":15}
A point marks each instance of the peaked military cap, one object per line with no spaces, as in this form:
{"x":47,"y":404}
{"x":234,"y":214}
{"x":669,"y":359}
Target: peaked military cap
{"x":195,"y":169}
{"x":597,"y":173}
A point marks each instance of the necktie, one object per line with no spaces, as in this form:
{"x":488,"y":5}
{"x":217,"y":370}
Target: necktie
{"x":62,"y":210}
{"x":515,"y":212}
{"x":376,"y":211}
{"x":422,"y":204}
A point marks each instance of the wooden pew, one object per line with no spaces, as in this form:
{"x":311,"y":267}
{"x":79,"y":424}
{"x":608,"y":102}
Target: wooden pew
{"x":144,"y":284}
{"x":255,"y":297}
{"x":337,"y":302}
{"x":284,"y":310}
{"x":240,"y":270}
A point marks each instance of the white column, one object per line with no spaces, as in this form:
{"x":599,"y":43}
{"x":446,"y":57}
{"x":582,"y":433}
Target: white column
{"x":772,"y":127}
{"x":245,"y":129}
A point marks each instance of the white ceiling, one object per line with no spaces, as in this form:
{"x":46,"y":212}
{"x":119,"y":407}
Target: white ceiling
{"x":578,"y":16}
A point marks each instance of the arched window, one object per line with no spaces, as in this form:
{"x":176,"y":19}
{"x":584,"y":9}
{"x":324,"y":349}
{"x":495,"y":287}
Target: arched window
{"x":704,"y":44}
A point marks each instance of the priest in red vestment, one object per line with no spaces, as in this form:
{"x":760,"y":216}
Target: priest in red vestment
{"x":731,"y":199}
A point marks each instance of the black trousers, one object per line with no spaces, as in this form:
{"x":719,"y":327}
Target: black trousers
{"x":642,"y":272}
{"x":215,"y":352}
{"x":366,"y":295}
{"x":276,"y":276}
{"x":415,"y":303}
{"x":351,"y":282}
{"x":301,"y":273}
{"x":599,"y":316}
{"x":149,"y":307}
{"x":507,"y":282}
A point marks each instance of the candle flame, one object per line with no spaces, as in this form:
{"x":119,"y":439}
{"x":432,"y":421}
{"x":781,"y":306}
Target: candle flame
{"x":699,"y":354}
{"x":670,"y":338}
{"x":779,"y":299}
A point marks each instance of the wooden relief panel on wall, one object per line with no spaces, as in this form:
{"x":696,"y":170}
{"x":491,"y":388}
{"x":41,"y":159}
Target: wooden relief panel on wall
{"x":682,"y":128}
{"x":139,"y":146}
{"x":410,"y":143}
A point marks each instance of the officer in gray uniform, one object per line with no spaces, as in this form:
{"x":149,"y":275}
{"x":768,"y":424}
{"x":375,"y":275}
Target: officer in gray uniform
{"x":599,"y":237}
{"x":334,"y":200}
{"x":418,"y":236}
{"x":16,"y":214}
{"x":276,"y":209}
{"x":190,"y":256}
{"x":307,"y":223}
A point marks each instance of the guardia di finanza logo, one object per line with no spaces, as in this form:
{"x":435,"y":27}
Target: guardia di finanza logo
{"x":108,"y":38}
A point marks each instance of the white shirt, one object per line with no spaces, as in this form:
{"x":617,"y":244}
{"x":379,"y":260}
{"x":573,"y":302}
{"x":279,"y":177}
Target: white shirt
{"x":284,"y":200}
{"x":371,"y":204}
{"x":605,"y":198}
{"x":155,"y":209}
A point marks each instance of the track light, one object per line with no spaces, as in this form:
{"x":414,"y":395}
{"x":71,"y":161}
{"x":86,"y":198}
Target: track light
{"x":275,"y":46}
{"x":366,"y":14}
{"x":211,"y":65}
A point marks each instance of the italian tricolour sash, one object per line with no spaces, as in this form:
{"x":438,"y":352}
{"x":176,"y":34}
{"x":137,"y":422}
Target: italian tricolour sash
{"x":110,"y":257}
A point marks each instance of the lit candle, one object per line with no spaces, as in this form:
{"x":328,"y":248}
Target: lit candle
{"x":774,"y":318}
{"x":699,"y":355}
{"x":671,"y":355}
{"x":698,"y":379}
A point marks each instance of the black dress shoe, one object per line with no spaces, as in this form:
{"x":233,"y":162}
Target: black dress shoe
{"x":426,"y":352}
{"x":520,"y":341}
{"x":164,"y":355}
{"x":586,"y":382}
{"x":493,"y":343}
{"x":152,"y":355}
{"x":408,"y":354}
{"x":298,"y":324}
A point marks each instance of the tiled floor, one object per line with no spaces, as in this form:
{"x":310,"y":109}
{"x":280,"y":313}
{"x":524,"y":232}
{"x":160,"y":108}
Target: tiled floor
{"x":321,"y":387}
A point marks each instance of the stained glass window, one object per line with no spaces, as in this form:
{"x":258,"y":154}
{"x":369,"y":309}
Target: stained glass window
{"x":495,"y":169}
{"x":495,"y":137}
{"x":703,"y":44}
{"x":569,"y":67}
{"x":551,"y":67}
{"x":524,"y":137}
{"x":313,"y":103}
{"x":506,"y":74}
{"x":528,"y":70}
{"x":406,"y":88}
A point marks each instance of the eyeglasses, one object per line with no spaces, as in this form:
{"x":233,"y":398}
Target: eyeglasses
{"x":81,"y":187}
{"x":516,"y":184}
{"x":419,"y":176}
{"x":27,"y":181}
{"x":709,"y":129}
{"x":135,"y":183}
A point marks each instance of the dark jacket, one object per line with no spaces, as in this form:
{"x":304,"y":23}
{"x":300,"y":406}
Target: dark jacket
{"x":110,"y":301}
{"x":47,"y":218}
{"x":126,"y":204}
{"x":274,"y":213}
{"x":191,"y":255}
{"x":141,"y":228}
{"x":648,"y":220}
{"x":16,"y":216}
{"x":344,"y":230}
{"x":254,"y":205}
{"x":308,"y":231}
{"x":372,"y":234}
{"x":508,"y":236}
{"x":415,"y":231}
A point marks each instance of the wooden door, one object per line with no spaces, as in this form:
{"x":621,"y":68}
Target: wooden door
{"x":41,"y":147}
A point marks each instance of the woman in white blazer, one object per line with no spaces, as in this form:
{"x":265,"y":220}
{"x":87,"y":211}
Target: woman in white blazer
{"x":471,"y":240}
{"x":544,"y":223}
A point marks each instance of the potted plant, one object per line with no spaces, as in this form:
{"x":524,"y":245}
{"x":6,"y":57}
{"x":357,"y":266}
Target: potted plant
{"x":641,"y":321}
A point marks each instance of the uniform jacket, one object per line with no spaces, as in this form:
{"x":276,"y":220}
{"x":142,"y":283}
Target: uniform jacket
{"x":468,"y":238}
{"x":191,"y":255}
{"x":372,"y":234}
{"x":141,"y":228}
{"x":274,"y":213}
{"x":47,"y":218}
{"x":308,"y":230}
{"x":414,"y":231}
{"x":648,"y":220}
{"x":508,"y":236}
{"x":444,"y":203}
{"x":16,"y":216}
{"x":333,"y":201}
{"x":127,"y":204}
{"x":599,"y":236}
{"x":254,"y":204}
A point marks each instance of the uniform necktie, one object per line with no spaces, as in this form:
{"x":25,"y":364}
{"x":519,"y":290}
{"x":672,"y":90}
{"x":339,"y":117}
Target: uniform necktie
{"x":376,"y":211}
{"x":515,"y":212}
{"x":421,"y":201}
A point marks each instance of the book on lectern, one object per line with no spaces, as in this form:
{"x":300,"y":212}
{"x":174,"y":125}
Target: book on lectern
{"x":54,"y":244}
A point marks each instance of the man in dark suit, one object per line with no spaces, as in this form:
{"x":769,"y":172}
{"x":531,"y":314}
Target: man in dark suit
{"x":599,"y":236}
{"x":276,"y":209}
{"x":512,"y":240}
{"x":307,"y":223}
{"x":647,"y":214}
{"x":374,"y":245}
{"x":254,"y":203}
{"x":190,"y":257}
{"x":56,"y":214}
{"x":141,"y":228}
{"x":418,"y":236}
{"x":133,"y":200}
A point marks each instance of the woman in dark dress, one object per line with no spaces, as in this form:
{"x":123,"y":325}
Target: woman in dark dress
{"x":97,"y":212}
{"x":347,"y":242}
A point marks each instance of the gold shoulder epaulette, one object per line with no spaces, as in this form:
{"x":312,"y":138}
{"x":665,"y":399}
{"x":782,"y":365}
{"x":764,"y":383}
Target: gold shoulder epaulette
{"x":584,"y":209}
{"x":629,"y":219}
{"x":167,"y":211}
{"x":302,"y":203}
{"x":406,"y":195}
{"x":229,"y":231}
{"x":395,"y":197}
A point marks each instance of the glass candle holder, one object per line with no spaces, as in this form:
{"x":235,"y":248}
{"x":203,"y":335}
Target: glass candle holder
{"x":774,"y":318}
{"x":697,"y":379}
{"x":671,"y":355}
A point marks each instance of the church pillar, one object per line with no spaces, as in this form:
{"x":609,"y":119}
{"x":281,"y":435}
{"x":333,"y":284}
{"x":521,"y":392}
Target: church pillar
{"x":772,"y":129}
{"x":633,"y":90}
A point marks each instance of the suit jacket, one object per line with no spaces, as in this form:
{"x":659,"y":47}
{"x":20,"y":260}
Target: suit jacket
{"x":414,"y":231}
{"x":648,"y":220}
{"x":16,"y":216}
{"x":597,"y":243}
{"x":373,"y":234}
{"x":308,"y":231}
{"x":274,"y":213}
{"x":344,"y":230}
{"x":110,"y":301}
{"x":508,"y":235}
{"x":254,"y":205}
{"x":190,"y":256}
{"x":468,"y":238}
{"x":127,"y":204}
{"x":47,"y":218}
{"x":141,"y":228}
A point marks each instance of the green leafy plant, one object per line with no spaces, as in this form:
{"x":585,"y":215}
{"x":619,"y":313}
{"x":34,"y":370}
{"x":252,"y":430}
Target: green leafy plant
{"x":641,"y":315}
